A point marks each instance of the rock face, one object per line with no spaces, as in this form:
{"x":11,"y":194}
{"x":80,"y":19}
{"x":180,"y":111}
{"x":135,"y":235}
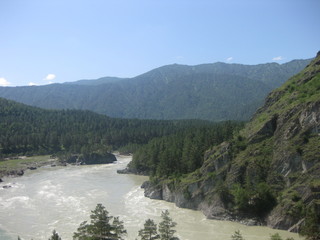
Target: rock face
{"x":129,"y":170}
{"x":270,"y":172}
{"x":90,"y":158}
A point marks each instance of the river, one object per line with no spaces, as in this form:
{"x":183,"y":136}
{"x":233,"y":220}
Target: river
{"x":62,"y":197}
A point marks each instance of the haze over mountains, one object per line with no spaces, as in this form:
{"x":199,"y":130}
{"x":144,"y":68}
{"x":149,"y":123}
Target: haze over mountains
{"x":217,"y":91}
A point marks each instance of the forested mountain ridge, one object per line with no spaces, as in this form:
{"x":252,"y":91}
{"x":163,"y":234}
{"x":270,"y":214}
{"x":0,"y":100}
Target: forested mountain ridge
{"x":216,"y":91}
{"x":31,"y":130}
{"x":269,"y":173}
{"x":26,"y":130}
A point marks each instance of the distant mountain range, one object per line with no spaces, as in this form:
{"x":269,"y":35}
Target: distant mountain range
{"x":217,"y":91}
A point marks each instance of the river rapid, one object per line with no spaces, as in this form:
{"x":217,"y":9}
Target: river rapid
{"x":62,"y":197}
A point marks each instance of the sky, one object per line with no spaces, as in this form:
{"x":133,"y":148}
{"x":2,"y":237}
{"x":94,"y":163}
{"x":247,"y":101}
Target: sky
{"x":55,"y":41}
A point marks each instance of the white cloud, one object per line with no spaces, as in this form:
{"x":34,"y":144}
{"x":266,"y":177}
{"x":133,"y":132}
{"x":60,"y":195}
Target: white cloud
{"x":229,"y":59}
{"x":277,"y":58}
{"x":32,"y":84}
{"x":50,"y":77}
{"x":4,"y":82}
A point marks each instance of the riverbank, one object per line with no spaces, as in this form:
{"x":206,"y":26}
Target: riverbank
{"x":213,"y":210}
{"x":18,"y":165}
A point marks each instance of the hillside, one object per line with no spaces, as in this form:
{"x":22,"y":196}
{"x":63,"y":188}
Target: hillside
{"x":216,"y":92}
{"x":86,"y":137}
{"x":27,"y":130}
{"x":31,"y":130}
{"x":269,"y":173}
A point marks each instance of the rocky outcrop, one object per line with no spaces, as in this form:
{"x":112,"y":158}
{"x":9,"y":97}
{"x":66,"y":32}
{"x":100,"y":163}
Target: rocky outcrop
{"x":152,"y":191}
{"x":218,"y":157}
{"x":32,"y":168}
{"x":89,"y":158}
{"x":265,"y":131}
{"x":15,"y":173}
{"x":129,"y":170}
{"x":309,"y":118}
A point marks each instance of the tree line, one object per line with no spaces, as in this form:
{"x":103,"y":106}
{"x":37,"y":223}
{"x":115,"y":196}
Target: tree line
{"x":103,"y":226}
{"x":26,"y":130}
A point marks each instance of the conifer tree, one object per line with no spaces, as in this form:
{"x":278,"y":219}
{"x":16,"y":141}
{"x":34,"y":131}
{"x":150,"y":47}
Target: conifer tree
{"x":165,"y":227}
{"x":149,"y":232}
{"x":237,"y":236}
{"x":118,"y":228}
{"x":100,"y":226}
{"x":55,"y":236}
{"x":275,"y":236}
{"x":311,"y":226}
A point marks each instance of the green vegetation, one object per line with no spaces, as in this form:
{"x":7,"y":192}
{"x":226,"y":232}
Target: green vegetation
{"x":256,"y":200}
{"x":28,"y":130}
{"x":100,"y":226}
{"x":23,"y":162}
{"x":182,"y":152}
{"x":55,"y":236}
{"x":311,"y":227}
{"x":267,"y":142}
{"x":166,"y":227}
{"x":149,"y":231}
{"x":271,"y":164}
{"x":237,"y":236}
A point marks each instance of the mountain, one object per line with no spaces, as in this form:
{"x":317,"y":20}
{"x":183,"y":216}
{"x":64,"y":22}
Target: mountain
{"x":93,"y":82}
{"x":269,"y":173}
{"x":216,"y":91}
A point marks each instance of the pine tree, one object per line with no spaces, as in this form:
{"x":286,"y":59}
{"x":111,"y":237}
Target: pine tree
{"x":149,"y":232}
{"x":100,"y":222}
{"x":100,"y":226}
{"x":165,"y":227}
{"x":237,"y":236}
{"x":311,"y":226}
{"x":55,"y":236}
{"x":118,"y":228}
{"x":82,"y":232}
{"x":275,"y":236}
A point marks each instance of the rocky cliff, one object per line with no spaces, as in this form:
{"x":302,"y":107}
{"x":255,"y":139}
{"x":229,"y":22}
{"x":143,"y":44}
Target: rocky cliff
{"x":269,"y":173}
{"x":88,"y":158}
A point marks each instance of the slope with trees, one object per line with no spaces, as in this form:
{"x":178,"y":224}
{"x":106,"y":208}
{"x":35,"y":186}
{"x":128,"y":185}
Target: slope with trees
{"x":85,"y":137}
{"x":217,"y":91}
{"x":30,"y":130}
{"x":268,"y":173}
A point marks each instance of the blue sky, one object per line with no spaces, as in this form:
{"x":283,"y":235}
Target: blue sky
{"x":45,"y":41}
